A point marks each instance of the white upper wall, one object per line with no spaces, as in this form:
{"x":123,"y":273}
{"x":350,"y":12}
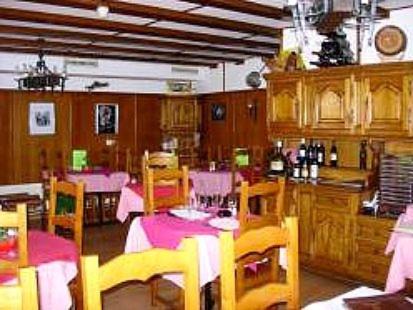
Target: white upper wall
{"x":136,"y":77}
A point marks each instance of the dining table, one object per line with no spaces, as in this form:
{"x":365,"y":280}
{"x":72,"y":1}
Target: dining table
{"x":55,"y":259}
{"x":132,"y":198}
{"x":165,"y":230}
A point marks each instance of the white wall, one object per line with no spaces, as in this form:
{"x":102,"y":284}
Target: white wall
{"x":402,"y":18}
{"x":131,"y":77}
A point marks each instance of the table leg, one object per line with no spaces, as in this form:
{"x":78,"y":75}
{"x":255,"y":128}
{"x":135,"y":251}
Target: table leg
{"x":209,"y":301}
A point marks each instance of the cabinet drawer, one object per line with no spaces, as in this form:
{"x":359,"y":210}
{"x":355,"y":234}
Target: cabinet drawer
{"x":332,"y":202}
{"x":374,"y":230}
{"x":372,"y":249}
{"x":367,"y":268}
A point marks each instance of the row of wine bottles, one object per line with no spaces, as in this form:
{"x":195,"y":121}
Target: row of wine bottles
{"x":305,"y":164}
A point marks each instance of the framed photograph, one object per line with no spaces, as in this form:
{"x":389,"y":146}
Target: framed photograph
{"x":42,"y":118}
{"x":218,"y":112}
{"x":106,"y":118}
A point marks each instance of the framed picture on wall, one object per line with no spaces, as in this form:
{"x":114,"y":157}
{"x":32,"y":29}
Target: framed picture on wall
{"x":218,"y":112}
{"x":42,"y":118}
{"x":107,"y":118}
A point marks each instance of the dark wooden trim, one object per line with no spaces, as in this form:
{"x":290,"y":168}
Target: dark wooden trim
{"x":149,"y":11}
{"x":95,"y":55}
{"x":246,"y":7}
{"x":40,"y":43}
{"x":92,"y":37}
{"x":91,"y":23}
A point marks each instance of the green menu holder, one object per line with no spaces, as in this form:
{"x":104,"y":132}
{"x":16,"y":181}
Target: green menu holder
{"x":79,"y":159}
{"x":65,"y":204}
{"x":241,"y":157}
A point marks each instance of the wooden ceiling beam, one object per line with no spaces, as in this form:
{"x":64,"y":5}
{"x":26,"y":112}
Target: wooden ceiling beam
{"x":94,"y":55}
{"x":149,"y":11}
{"x":103,"y":38}
{"x":246,"y":7}
{"x":41,"y":43}
{"x":91,"y":23}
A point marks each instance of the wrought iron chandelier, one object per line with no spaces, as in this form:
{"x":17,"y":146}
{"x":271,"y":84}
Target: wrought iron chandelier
{"x":40,"y":77}
{"x":310,"y":14}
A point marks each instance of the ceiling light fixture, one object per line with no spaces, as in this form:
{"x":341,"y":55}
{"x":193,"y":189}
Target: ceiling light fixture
{"x":40,"y":76}
{"x":102,"y":9}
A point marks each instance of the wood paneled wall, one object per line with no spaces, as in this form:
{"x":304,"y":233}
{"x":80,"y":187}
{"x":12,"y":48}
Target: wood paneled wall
{"x":139,"y":129}
{"x":244,"y":124}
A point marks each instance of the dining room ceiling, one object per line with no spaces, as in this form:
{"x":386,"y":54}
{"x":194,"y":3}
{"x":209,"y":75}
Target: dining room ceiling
{"x":187,"y":32}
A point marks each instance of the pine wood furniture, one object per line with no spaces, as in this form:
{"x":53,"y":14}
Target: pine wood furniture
{"x":22,"y":296}
{"x":258,"y":241}
{"x":180,"y":118}
{"x":335,"y":239}
{"x":271,"y":195}
{"x":17,"y":220}
{"x":142,"y":266}
{"x":69,"y":221}
{"x":180,"y":179}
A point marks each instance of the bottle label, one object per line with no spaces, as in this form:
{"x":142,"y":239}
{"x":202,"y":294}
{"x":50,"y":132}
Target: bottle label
{"x":304,"y":172}
{"x":314,"y":171}
{"x":279,"y":144}
{"x":320,"y":157}
{"x":277,"y":165}
{"x":302,"y":153}
{"x":333,"y":156}
{"x":296,"y":172}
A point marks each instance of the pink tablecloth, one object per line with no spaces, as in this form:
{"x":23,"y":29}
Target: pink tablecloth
{"x":131,"y":198}
{"x":213,"y":183}
{"x":100,"y":182}
{"x":401,"y":267}
{"x":55,"y":259}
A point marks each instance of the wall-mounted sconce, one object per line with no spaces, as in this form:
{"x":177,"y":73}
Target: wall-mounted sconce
{"x":253,"y":109}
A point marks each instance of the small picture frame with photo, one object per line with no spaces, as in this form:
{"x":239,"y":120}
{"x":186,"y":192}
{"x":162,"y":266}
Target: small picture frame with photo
{"x":42,"y":119}
{"x":218,"y":112}
{"x":107,"y":118}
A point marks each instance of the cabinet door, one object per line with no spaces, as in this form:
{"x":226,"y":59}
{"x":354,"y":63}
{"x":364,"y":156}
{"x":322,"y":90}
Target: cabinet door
{"x":330,"y":243}
{"x":304,"y":215}
{"x":329,"y":103}
{"x":179,"y":113}
{"x":285,"y":105}
{"x":386,"y":104}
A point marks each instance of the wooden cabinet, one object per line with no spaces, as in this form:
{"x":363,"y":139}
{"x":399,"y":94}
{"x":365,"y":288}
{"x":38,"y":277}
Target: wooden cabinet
{"x":386,"y":99}
{"x":370,"y":240}
{"x":304,"y":215}
{"x":180,"y":119}
{"x":285,"y":104}
{"x":374,"y":100}
{"x":330,"y":104}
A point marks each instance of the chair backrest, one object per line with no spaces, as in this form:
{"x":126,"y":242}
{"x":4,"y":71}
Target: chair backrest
{"x":17,"y":220}
{"x":178,"y":178}
{"x":22,"y":296}
{"x":73,"y":221}
{"x":271,"y":196}
{"x":259,"y":241}
{"x":159,"y":160}
{"x":142,"y":266}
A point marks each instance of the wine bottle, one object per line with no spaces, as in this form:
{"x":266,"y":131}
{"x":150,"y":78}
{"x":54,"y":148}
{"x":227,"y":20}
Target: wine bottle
{"x":314,"y":169}
{"x":333,"y":155}
{"x":302,"y":151}
{"x":296,"y":169}
{"x":363,"y":155}
{"x":277,"y":163}
{"x":321,"y":154}
{"x":311,"y":153}
{"x":304,"y":170}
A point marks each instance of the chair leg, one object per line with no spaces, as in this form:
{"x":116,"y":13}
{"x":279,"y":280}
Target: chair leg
{"x":154,"y":291}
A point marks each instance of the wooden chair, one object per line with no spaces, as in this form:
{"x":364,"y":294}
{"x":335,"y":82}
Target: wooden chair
{"x":22,"y":296}
{"x":173,"y":177}
{"x":271,"y":196}
{"x":259,"y":241}
{"x":17,"y":220}
{"x":142,"y":266}
{"x":71,"y":221}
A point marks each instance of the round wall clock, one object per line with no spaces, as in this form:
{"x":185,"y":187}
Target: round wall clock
{"x":390,"y":40}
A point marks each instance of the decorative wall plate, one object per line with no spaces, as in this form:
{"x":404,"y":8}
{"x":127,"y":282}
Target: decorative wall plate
{"x":390,"y":40}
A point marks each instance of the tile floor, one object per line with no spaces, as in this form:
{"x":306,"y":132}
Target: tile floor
{"x":108,"y":241}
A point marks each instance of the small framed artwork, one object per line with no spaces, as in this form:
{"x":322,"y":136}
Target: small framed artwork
{"x":42,"y":118}
{"x":218,"y":112}
{"x":107,"y":118}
